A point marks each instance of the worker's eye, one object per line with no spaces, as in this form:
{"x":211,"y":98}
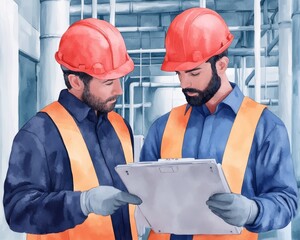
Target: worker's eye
{"x":109,"y":83}
{"x":195,"y":74}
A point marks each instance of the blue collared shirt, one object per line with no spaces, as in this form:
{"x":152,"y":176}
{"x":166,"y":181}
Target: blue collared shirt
{"x":38,"y":191}
{"x":269,"y":177}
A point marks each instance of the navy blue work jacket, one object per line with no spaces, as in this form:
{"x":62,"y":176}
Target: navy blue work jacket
{"x":38,"y":195}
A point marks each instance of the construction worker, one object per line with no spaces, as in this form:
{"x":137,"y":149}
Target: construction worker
{"x":219,"y":122}
{"x":61,"y":183}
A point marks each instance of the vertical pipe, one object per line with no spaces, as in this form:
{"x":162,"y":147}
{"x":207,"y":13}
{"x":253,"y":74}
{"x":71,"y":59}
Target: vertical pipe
{"x":9,"y":92}
{"x":112,"y":15}
{"x":257,"y":23}
{"x":296,"y":86}
{"x":285,"y":63}
{"x":296,"y":104}
{"x":50,"y":80}
{"x":82,"y":9}
{"x":141,"y":85}
{"x":123,"y":97}
{"x":131,"y":104}
{"x":94,"y":9}
{"x":203,"y":3}
{"x":243,"y":86}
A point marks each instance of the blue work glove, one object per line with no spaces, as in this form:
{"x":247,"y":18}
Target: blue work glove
{"x":234,"y":209}
{"x":105,"y":200}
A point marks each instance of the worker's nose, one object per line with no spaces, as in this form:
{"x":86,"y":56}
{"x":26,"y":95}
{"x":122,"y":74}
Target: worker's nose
{"x":185,"y":82}
{"x":117,"y":88}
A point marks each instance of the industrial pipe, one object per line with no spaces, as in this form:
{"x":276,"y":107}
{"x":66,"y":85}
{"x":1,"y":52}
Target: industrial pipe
{"x":131,"y":96}
{"x":94,"y":9}
{"x":50,"y":81}
{"x":257,"y":32}
{"x":231,"y":51}
{"x":112,"y":14}
{"x":285,"y":63}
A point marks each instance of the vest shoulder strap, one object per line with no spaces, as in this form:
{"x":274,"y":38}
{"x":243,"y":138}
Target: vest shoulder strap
{"x":173,"y":136}
{"x":80,"y":160}
{"x":235,"y":157}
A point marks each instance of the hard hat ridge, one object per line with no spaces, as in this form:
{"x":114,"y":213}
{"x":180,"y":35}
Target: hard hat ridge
{"x":95,"y":47}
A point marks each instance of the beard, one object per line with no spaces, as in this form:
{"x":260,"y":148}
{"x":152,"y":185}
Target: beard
{"x":96,"y":104}
{"x":205,"y":95}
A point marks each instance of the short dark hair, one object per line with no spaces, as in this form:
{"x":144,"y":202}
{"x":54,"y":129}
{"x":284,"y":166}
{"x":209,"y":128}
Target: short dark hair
{"x":216,"y":58}
{"x":86,"y":78}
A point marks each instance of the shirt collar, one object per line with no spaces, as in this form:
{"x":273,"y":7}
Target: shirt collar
{"x":233,"y":100}
{"x":78,"y":109}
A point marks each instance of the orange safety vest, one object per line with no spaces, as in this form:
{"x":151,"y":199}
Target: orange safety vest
{"x":84,"y":175}
{"x":235,"y":157}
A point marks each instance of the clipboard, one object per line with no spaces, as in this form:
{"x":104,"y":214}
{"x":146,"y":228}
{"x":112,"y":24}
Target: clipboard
{"x":174,"y":194}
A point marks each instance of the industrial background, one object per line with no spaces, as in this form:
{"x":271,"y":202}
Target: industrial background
{"x":264,"y":62}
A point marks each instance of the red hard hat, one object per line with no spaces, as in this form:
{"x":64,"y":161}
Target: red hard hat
{"x":95,"y":47}
{"x":193,"y":37}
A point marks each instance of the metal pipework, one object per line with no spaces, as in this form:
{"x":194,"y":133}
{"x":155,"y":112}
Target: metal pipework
{"x":50,"y":77}
{"x":285,"y":63}
{"x":137,"y":7}
{"x":202,"y":3}
{"x":231,"y":51}
{"x":257,"y":32}
{"x":231,"y":28}
{"x":112,"y":15}
{"x":296,"y":87}
{"x":94,"y":9}
{"x":131,"y":96}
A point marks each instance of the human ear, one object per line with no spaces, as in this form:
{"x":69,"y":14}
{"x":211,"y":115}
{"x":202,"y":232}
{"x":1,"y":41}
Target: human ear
{"x":75,"y":82}
{"x":221,"y":65}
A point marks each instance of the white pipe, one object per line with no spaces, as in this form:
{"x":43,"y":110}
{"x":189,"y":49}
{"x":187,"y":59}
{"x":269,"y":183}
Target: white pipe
{"x":231,"y":28}
{"x":50,"y":81}
{"x":131,"y":102}
{"x":251,"y":27}
{"x":257,"y":31}
{"x":123,"y":97}
{"x":231,"y":51}
{"x":296,"y":90}
{"x":139,"y":7}
{"x":131,"y":96}
{"x":285,"y":64}
{"x":94,"y":9}
{"x":112,"y":15}
{"x":136,"y":105}
{"x":203,"y":3}
{"x":140,"y":29}
{"x":82,"y":9}
{"x":243,"y":86}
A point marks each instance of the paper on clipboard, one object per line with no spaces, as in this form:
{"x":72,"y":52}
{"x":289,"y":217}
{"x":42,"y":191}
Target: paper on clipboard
{"x":175,"y":192}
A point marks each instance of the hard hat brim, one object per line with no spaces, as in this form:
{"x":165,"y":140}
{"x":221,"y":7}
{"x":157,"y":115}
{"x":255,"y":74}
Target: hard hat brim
{"x":119,"y":72}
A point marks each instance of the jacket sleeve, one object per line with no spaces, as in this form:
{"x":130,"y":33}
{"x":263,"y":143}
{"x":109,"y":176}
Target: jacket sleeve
{"x":276,"y":187}
{"x":31,"y":204}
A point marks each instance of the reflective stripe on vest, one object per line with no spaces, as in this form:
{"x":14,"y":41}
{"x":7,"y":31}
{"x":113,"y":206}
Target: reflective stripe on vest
{"x":95,"y":226}
{"x":235,"y":157}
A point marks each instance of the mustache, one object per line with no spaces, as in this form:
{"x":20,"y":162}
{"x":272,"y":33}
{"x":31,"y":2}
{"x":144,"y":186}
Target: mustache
{"x":112,"y":98}
{"x":191,"y":90}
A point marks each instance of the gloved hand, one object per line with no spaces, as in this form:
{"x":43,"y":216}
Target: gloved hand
{"x":142,"y":225}
{"x":234,"y":209}
{"x":105,"y":200}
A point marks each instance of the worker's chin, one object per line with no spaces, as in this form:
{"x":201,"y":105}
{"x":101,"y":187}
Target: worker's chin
{"x":109,"y":107}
